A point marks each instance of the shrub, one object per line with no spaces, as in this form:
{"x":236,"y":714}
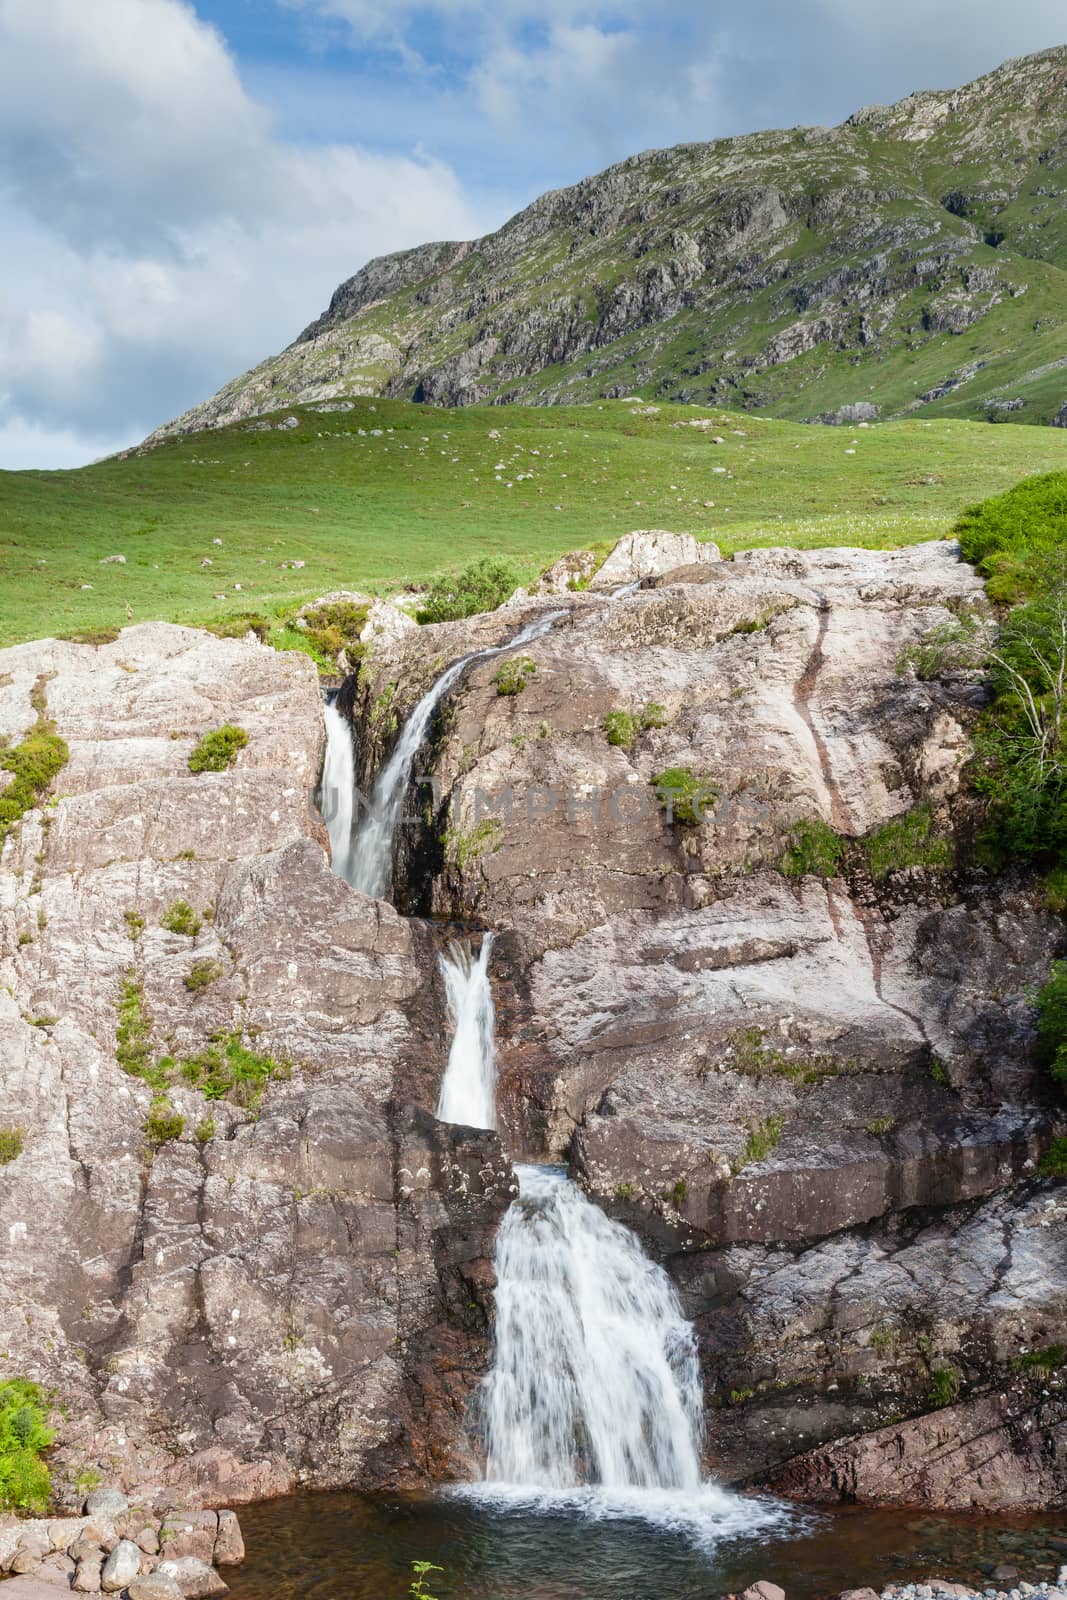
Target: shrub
{"x":481,"y":586}
{"x":24,"y":1436}
{"x":335,"y":627}
{"x":1052,"y":1023}
{"x":163,"y":1122}
{"x":621,"y":728}
{"x":685,"y":795}
{"x":512,"y":676}
{"x":1007,"y":535}
{"x":1053,"y":1163}
{"x":240,"y":624}
{"x":907,"y":841}
{"x":815,"y":851}
{"x":201,"y":974}
{"x":12,"y":1143}
{"x":181,"y":918}
{"x":216,"y":751}
{"x":229,"y":1070}
{"x":33,"y":764}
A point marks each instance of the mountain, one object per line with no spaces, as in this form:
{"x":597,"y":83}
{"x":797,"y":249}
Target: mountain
{"x":912,"y":259}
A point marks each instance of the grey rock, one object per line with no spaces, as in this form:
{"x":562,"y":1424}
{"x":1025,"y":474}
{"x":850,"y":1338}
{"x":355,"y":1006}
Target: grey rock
{"x":196,"y":1579}
{"x":156,"y":1586}
{"x":121,"y":1566}
{"x":230,"y":1545}
{"x":106,"y":1504}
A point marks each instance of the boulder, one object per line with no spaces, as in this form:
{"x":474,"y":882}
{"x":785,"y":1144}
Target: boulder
{"x":106,"y":1504}
{"x":121,"y":1566}
{"x":189,"y":1533}
{"x":763,"y":1591}
{"x":87,"y":1576}
{"x":648,"y":551}
{"x":196,"y":1579}
{"x":230,"y":1545}
{"x":156,"y":1586}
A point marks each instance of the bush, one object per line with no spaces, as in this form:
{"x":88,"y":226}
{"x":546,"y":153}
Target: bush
{"x":815,"y":851}
{"x":181,"y":918}
{"x":335,"y":627}
{"x":481,"y":586}
{"x":12,"y":1143}
{"x":201,"y":974}
{"x":907,"y":841}
{"x":24,"y":1435}
{"x":685,"y":794}
{"x":512,"y":676}
{"x":1052,"y":1024}
{"x":218,"y":750}
{"x":1005,"y":534}
{"x":241,"y":623}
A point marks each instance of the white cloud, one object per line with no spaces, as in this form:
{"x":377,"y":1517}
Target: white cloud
{"x":159,"y":235}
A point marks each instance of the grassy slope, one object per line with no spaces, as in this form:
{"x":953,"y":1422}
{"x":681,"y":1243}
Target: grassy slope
{"x":377,"y":512}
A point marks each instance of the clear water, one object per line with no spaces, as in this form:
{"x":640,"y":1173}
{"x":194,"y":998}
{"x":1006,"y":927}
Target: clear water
{"x":372,"y":868}
{"x":360,"y":1547}
{"x":468,"y":1088}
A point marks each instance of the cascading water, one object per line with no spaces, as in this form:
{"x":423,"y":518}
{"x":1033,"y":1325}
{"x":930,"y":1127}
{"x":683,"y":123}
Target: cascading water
{"x":468,"y":1089}
{"x":595,"y":1378}
{"x":337,"y":790}
{"x":372,"y":850}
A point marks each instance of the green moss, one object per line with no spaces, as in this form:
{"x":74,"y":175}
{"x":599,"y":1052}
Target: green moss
{"x":762,"y":1138}
{"x":180,"y":917}
{"x":12,"y":1144}
{"x":229,"y":1070}
{"x":218,"y":750}
{"x":467,"y":845}
{"x":738,"y":1397}
{"x":624,"y":1191}
{"x":679,"y":1194}
{"x":686,"y":795}
{"x":815,"y":851}
{"x":907,"y":841}
{"x":512,"y":676}
{"x":204,"y":1130}
{"x":621,"y":728}
{"x":202,"y":974}
{"x":25,"y":1485}
{"x":33,"y":764}
{"x":1053,"y":1163}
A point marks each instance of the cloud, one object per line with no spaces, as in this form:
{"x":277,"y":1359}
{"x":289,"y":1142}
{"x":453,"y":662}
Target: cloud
{"x":160,"y":236}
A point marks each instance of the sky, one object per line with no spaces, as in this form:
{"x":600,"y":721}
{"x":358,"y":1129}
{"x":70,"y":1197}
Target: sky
{"x":183,"y":185}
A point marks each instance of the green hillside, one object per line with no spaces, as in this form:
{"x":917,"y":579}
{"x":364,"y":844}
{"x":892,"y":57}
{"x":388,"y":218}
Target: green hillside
{"x":387,"y":493}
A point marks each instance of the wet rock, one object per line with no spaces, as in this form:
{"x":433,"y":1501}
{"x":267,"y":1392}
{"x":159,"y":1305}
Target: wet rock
{"x":196,"y":1579}
{"x":121,"y":1566}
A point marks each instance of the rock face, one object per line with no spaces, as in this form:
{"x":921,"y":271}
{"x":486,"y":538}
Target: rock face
{"x":232,"y":1299}
{"x":810,"y":272}
{"x":810,"y":1091}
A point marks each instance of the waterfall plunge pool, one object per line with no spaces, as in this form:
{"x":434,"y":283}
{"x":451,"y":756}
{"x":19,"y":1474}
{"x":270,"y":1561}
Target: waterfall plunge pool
{"x":360,"y":1547}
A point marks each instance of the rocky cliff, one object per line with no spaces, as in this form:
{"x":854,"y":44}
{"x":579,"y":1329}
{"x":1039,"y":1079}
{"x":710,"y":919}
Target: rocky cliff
{"x":912,"y":258}
{"x":748,"y":986}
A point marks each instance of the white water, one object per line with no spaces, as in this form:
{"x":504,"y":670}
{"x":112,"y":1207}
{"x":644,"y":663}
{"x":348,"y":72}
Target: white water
{"x":468,"y":1088}
{"x":373,"y":845}
{"x":595,"y":1378}
{"x":337,"y":791}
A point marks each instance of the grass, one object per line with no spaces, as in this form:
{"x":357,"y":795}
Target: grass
{"x":815,"y":851}
{"x":33,"y":764}
{"x":228,"y":1069}
{"x":621,"y":728}
{"x":513,"y":676}
{"x":12,"y":1143}
{"x":25,"y":1485}
{"x":1053,"y":1163}
{"x":762,"y":1138}
{"x":216,"y":751}
{"x":163,"y":1123}
{"x":908,"y":841}
{"x":686,"y":795}
{"x":375,"y":513}
{"x":180,"y":917}
{"x":133,"y":1038}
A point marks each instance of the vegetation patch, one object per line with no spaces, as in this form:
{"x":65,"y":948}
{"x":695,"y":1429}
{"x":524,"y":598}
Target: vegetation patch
{"x":945,"y":1385}
{"x":470,"y":844}
{"x":33,"y":764}
{"x":1044,"y":1361}
{"x":336,"y":627}
{"x":622,"y":727}
{"x":133,"y":1038}
{"x":513,"y":676}
{"x":25,"y":1485}
{"x":202,"y":974}
{"x":762,"y":1138}
{"x":908,"y":841}
{"x":229,"y":1070}
{"x":163,"y":1123}
{"x":749,"y":1052}
{"x":134,"y":924}
{"x":241,"y":624}
{"x":1053,"y":1163}
{"x":686,"y":796}
{"x":481,"y":586}
{"x":1007,"y":536}
{"x":94,"y":636}
{"x":180,"y":917}
{"x":218,"y":750}
{"x":12,"y":1144}
{"x":1052,"y":1025}
{"x":961,"y":645}
{"x":815,"y":851}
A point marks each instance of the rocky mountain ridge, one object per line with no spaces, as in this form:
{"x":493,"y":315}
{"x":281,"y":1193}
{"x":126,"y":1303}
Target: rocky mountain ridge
{"x":912,"y":258}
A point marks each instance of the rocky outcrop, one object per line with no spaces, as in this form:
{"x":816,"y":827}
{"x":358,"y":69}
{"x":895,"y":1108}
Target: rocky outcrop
{"x":804,"y":272}
{"x":233,"y":1290}
{"x":808,"y":1084}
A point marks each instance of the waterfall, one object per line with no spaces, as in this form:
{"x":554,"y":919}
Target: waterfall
{"x":373,"y":845}
{"x":595,"y":1378}
{"x":468,"y":1089}
{"x":337,"y":790}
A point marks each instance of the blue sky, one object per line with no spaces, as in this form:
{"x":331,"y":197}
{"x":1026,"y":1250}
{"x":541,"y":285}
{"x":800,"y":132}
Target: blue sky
{"x":182,"y":185}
